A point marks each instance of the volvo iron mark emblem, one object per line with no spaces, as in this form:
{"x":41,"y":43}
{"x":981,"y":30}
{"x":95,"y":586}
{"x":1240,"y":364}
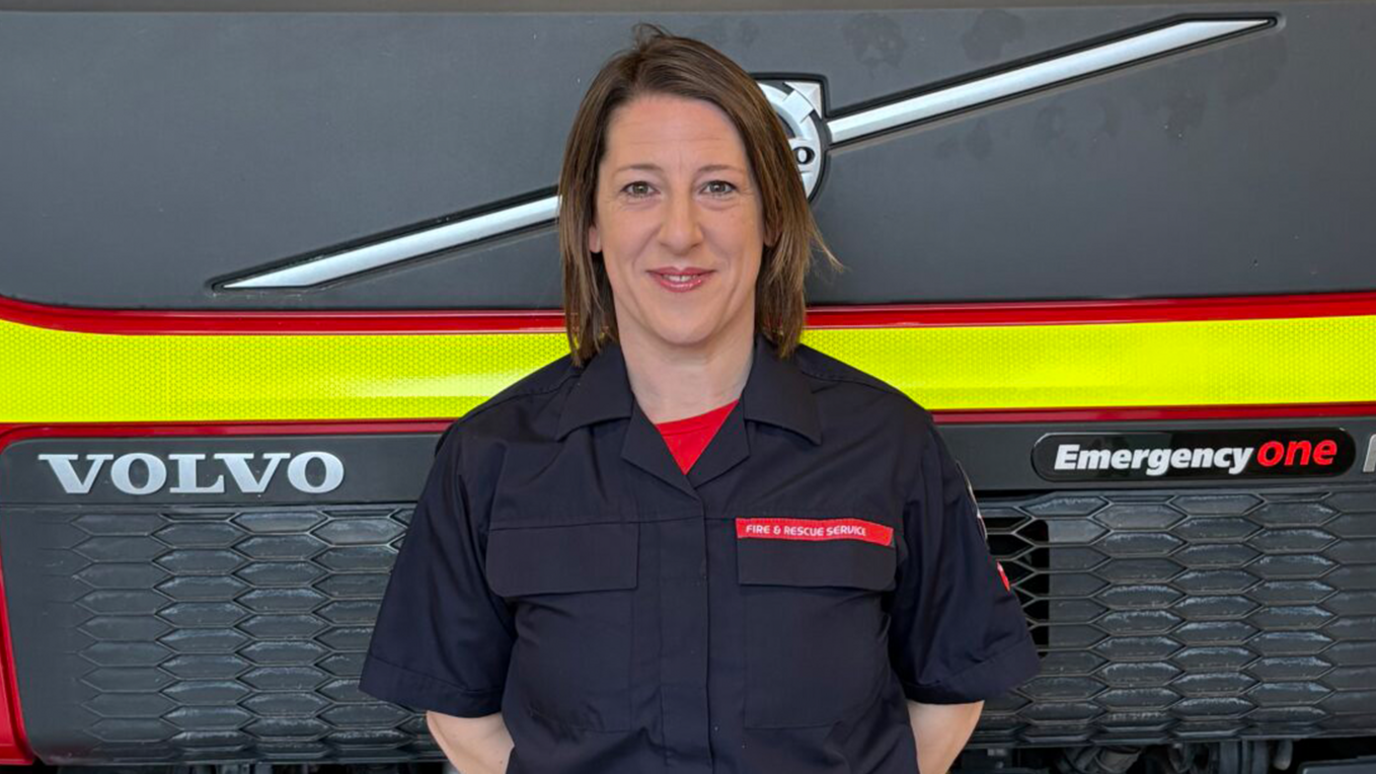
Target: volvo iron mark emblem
{"x":801,"y":105}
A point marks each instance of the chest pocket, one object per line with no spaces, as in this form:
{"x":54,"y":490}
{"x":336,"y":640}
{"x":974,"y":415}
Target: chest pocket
{"x":816,"y":635}
{"x":571,"y":589}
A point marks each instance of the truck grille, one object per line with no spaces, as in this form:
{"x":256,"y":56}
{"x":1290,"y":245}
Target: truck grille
{"x":218,"y":634}
{"x":1191,"y":615}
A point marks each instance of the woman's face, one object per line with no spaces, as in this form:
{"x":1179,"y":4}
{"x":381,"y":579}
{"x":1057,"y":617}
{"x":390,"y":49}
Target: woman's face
{"x":679,"y":224}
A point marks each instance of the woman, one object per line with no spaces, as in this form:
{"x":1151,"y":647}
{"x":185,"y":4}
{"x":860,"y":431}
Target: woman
{"x":694,"y":544}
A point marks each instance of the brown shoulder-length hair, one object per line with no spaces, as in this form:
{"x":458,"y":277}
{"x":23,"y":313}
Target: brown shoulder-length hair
{"x":660,"y":63}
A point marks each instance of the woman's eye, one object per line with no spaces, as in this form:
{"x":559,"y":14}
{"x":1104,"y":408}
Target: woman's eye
{"x":719,"y":188}
{"x":637,"y":189}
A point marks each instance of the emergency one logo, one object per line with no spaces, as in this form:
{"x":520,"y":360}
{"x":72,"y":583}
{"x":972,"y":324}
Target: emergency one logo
{"x":1194,"y":454}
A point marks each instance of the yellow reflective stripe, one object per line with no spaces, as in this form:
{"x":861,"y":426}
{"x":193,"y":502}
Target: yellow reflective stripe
{"x":1231,"y":362}
{"x":62,"y":376}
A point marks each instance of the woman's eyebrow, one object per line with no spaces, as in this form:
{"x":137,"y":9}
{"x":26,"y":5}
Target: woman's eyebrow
{"x":638,"y":168}
{"x":645,"y":167}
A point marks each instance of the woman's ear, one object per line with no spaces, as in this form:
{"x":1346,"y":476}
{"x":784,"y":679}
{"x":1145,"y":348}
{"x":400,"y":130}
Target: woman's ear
{"x":594,"y":239}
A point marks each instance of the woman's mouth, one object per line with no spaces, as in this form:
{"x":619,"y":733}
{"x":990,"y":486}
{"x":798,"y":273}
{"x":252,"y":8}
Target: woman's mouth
{"x":680,"y":280}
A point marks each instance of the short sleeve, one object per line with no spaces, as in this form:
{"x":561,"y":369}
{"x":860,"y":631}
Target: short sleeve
{"x":957,"y":633}
{"x":443,"y":639}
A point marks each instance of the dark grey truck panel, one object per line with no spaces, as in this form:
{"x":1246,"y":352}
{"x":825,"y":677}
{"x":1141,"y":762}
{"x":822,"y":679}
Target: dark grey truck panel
{"x":151,"y":157}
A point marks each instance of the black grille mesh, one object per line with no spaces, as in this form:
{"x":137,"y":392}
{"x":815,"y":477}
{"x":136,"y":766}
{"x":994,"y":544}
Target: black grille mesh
{"x":1191,"y":614}
{"x":208,"y":634}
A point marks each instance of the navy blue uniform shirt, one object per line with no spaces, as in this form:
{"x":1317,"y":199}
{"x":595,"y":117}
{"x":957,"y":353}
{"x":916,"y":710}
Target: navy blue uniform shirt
{"x":766,"y":613}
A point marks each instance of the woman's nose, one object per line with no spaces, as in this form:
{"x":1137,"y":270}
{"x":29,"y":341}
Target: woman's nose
{"x":680,"y":231}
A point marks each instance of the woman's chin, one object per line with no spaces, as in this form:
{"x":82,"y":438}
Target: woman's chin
{"x":691,"y":330}
{"x":689,"y":337}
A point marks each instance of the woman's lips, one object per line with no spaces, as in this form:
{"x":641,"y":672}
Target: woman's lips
{"x":680,"y":282}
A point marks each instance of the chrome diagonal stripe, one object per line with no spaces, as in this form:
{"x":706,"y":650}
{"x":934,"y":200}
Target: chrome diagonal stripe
{"x":403,"y":248}
{"x":856,"y":126}
{"x":1034,"y":76}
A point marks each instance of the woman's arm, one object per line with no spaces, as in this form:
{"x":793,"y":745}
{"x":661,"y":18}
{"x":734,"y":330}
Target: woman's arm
{"x":474,"y":745}
{"x":940,"y":731}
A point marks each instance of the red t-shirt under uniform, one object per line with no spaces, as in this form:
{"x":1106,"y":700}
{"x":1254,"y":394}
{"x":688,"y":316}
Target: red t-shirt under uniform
{"x":688,"y":437}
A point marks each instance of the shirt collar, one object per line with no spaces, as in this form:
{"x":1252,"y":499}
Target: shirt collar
{"x":601,"y":392}
{"x":775,"y":393}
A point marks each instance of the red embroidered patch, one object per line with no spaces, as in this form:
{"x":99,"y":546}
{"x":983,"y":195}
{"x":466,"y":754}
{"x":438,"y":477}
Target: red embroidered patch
{"x":814,"y":529}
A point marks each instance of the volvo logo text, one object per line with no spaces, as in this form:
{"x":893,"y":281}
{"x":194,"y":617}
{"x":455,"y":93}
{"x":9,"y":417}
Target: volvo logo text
{"x":140,"y":473}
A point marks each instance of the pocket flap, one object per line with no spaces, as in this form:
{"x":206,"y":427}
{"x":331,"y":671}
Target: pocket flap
{"x":862,"y":564}
{"x":551,"y":560}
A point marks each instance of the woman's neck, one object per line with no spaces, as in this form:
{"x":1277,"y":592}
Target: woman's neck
{"x":671,"y":382}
